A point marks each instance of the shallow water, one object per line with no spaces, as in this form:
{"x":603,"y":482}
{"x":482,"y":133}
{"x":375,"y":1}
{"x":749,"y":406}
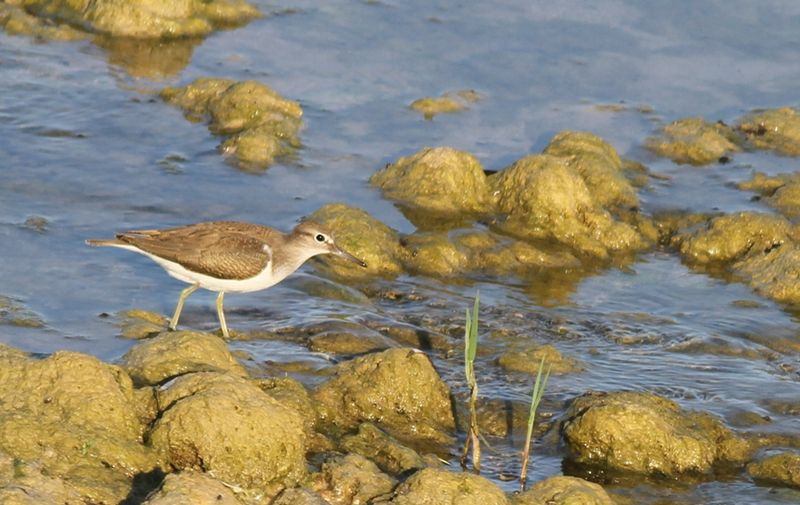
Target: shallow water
{"x":84,"y":144}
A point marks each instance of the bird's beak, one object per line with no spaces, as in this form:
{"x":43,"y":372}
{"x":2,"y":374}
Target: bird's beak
{"x":338,"y":251}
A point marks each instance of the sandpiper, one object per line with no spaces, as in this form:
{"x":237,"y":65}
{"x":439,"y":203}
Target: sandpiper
{"x":228,"y":256}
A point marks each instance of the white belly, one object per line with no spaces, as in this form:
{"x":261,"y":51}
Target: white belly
{"x":262,"y":280}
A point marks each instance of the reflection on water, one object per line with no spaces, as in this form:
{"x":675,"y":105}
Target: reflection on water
{"x":87,"y":154}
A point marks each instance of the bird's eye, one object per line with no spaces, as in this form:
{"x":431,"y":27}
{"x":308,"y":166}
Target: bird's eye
{"x":320,"y":237}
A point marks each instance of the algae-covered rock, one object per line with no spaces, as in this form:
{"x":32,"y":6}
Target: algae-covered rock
{"x":528,"y":360}
{"x":344,"y":480}
{"x":192,"y":488}
{"x":432,"y":486}
{"x":694,"y":141}
{"x":452,"y":101}
{"x":299,"y":496}
{"x":145,"y":18}
{"x":363,"y":236}
{"x":291,"y":393}
{"x":779,"y":469}
{"x":262,"y":124}
{"x":78,"y":417}
{"x":16,"y":21}
{"x":139,"y":324}
{"x":23,"y":483}
{"x":435,"y":255}
{"x":545,"y":198}
{"x":774,"y":129}
{"x":226,"y":425}
{"x":153,"y":59}
{"x":598,"y":164}
{"x":175,"y":353}
{"x":388,"y":453}
{"x":337,"y":342}
{"x":731,"y":237}
{"x":440,"y":180}
{"x":775,"y":274}
{"x":563,"y":490}
{"x":781,"y":192}
{"x":646,"y":434}
{"x":397,"y":390}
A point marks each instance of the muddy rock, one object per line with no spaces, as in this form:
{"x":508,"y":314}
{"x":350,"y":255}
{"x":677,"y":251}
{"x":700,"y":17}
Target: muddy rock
{"x":299,"y":496}
{"x":775,"y":274}
{"x":192,"y":487}
{"x":561,"y":490}
{"x":598,"y":164}
{"x":226,"y":425}
{"x":694,"y":141}
{"x":432,"y":486}
{"x":781,"y":192}
{"x":528,"y":360}
{"x":137,"y":324}
{"x":363,"y":236}
{"x":23,"y":483}
{"x":779,"y":469}
{"x":774,"y":129}
{"x":16,"y":21}
{"x":336,"y":342}
{"x":291,"y":393}
{"x":344,"y":480}
{"x":732,"y":237}
{"x":174,"y":353}
{"x":546,"y":199}
{"x":397,"y":390}
{"x":433,"y":254}
{"x":145,"y":18}
{"x":440,"y":180}
{"x":452,"y":101}
{"x":646,"y":434}
{"x":262,"y":125}
{"x":78,"y":417}
{"x":388,"y":453}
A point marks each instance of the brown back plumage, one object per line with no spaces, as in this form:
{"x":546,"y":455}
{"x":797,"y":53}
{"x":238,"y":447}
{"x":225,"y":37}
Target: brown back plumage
{"x":220,"y":249}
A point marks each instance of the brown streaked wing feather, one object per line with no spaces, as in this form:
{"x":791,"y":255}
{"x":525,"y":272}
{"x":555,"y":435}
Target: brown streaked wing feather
{"x":214,"y":249}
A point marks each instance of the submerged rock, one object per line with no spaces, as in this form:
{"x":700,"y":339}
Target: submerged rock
{"x":562,"y":490}
{"x":694,"y":141}
{"x":139,"y":324}
{"x":344,"y":480}
{"x":779,"y":469}
{"x":528,"y":360}
{"x":192,"y":487}
{"x":176,"y":353}
{"x":384,"y":450}
{"x":646,"y":434}
{"x":774,"y":129}
{"x":432,"y":486}
{"x":440,"y":180}
{"x":226,"y":425}
{"x":363,"y":236}
{"x":15,"y":313}
{"x":452,"y":101}
{"x":262,"y":124}
{"x":398,"y":390}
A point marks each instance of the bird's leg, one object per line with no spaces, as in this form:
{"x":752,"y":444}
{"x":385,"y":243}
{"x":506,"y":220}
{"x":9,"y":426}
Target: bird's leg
{"x":173,"y":323}
{"x":221,"y":315}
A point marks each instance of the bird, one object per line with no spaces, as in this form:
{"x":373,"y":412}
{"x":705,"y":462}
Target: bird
{"x":228,"y":256}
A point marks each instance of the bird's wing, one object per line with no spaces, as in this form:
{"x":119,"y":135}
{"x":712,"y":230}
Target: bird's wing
{"x":219,"y":253}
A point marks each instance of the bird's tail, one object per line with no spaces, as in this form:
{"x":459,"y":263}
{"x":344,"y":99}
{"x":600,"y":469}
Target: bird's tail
{"x":105,"y":242}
